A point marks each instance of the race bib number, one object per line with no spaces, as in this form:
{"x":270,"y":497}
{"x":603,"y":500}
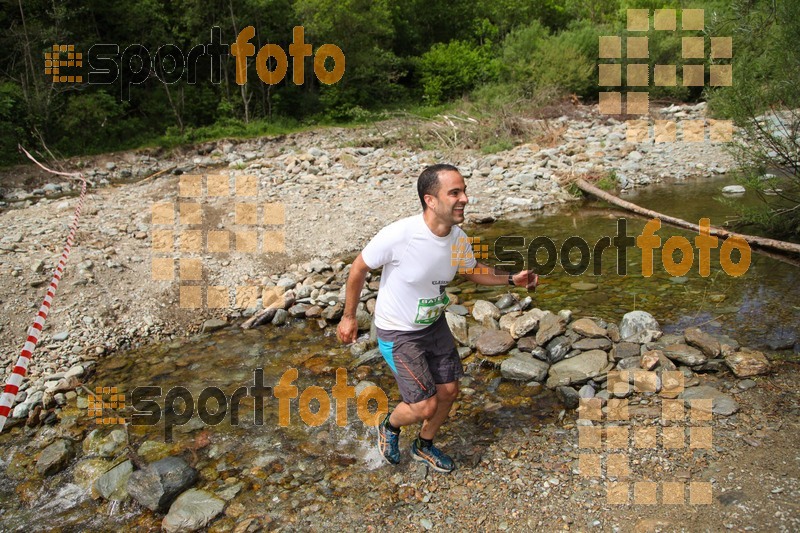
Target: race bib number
{"x":429,"y":309}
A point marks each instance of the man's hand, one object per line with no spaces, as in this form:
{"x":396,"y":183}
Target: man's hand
{"x":527,"y":278}
{"x":347,"y":331}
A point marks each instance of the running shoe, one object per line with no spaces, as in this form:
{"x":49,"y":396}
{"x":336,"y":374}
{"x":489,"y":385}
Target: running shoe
{"x":388,"y":442}
{"x":433,"y":457}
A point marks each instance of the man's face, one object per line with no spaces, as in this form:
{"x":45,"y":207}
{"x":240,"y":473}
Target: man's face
{"x":451,"y":198}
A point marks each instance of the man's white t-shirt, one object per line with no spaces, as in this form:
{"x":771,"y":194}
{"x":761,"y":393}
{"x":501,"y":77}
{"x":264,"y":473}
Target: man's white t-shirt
{"x":417,"y":266}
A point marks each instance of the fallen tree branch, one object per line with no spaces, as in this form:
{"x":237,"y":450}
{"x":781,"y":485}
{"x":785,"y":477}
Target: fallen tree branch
{"x":760,"y":242}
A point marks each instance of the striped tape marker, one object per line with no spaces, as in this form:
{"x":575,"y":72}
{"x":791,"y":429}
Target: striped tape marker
{"x":20,"y":369}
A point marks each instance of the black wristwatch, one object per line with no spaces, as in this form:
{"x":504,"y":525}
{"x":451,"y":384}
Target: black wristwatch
{"x":511,"y":279}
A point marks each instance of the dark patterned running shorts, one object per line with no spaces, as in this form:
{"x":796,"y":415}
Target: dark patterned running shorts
{"x":422,"y":359}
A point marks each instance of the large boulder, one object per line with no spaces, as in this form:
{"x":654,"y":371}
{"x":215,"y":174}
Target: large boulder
{"x":578,"y":369}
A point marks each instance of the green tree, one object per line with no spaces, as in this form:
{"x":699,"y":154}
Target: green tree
{"x":763,"y":102}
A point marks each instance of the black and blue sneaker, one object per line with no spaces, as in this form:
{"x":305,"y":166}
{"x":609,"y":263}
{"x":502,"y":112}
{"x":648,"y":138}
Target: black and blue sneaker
{"x":432,"y":456}
{"x":388,"y":442}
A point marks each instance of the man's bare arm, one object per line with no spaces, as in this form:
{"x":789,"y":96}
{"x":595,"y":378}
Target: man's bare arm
{"x":526,"y":278}
{"x":348,"y":327}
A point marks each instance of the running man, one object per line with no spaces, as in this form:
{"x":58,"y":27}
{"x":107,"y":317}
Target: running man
{"x":416,"y":254}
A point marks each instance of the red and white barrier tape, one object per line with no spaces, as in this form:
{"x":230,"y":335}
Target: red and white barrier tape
{"x":15,"y":379}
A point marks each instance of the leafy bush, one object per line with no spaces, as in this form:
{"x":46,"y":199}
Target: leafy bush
{"x":12,"y":122}
{"x":450,"y":70}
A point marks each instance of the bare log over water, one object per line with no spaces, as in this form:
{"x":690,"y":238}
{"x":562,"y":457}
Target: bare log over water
{"x":758,"y":242}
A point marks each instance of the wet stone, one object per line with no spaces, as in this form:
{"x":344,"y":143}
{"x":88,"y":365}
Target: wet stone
{"x":193,"y":510}
{"x":524,"y":367}
{"x":507,"y":300}
{"x":213,"y":324}
{"x":527,"y":344}
{"x":111,"y":485}
{"x":157,"y":485}
{"x":55,"y":457}
{"x":578,"y":369}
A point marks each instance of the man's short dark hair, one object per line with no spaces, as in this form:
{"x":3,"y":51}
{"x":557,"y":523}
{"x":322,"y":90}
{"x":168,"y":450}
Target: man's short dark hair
{"x":428,"y":182}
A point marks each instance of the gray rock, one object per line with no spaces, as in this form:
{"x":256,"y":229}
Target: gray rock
{"x":685,"y":354}
{"x":334,"y":312}
{"x":587,"y":327}
{"x":55,"y":457}
{"x":494,"y":342}
{"x":525,"y":368}
{"x":624,"y":350}
{"x":746,"y":384}
{"x":733,"y":189}
{"x":566,"y":314}
{"x":507,"y":320}
{"x":364,"y":320}
{"x":280,"y":318}
{"x":526,"y":323}
{"x":464,"y":351}
{"x":61,"y":336}
{"x":459,"y":310}
{"x":592,"y":344}
{"x":298,"y":310}
{"x":475,"y":333}
{"x":368,"y":357}
{"x":629,"y":363}
{"x":507,"y":300}
{"x":193,"y":510}
{"x":111,"y":485}
{"x":527,"y":344}
{"x":550,"y":326}
{"x":213,"y":324}
{"x":722,"y":404}
{"x":157,"y":485}
{"x":587,"y":391}
{"x":636,"y":322}
{"x":483,"y":309}
{"x":568,"y":396}
{"x":558,"y":348}
{"x":578,"y":369}
{"x":702,"y":341}
{"x":458,"y":327}
{"x":361,"y":386}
